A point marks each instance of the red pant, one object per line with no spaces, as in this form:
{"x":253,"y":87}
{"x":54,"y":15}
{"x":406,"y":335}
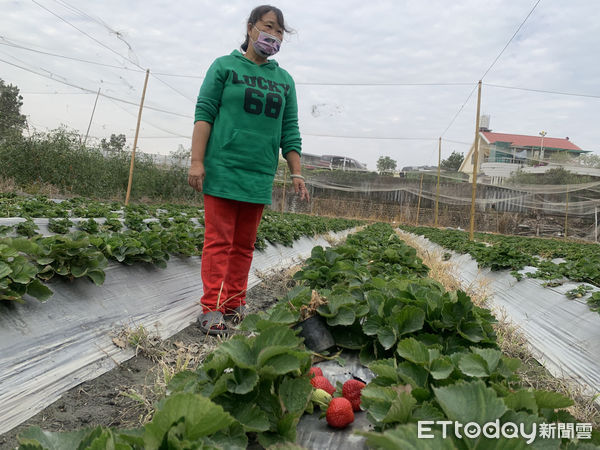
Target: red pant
{"x":229,"y":235}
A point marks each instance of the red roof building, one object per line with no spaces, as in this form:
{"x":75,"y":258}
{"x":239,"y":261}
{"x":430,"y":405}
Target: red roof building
{"x":524,"y":141}
{"x":501,"y":154}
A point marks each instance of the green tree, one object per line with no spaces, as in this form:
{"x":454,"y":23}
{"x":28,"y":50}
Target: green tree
{"x":453,"y":162}
{"x":590,"y":160}
{"x":182,"y":155}
{"x":558,"y":175}
{"x":12,"y":121}
{"x":564,"y":158}
{"x":116,"y":143}
{"x":385,"y":164}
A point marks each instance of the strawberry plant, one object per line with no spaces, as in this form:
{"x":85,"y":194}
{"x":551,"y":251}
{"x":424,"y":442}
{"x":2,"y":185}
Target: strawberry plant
{"x":257,"y":381}
{"x":579,"y":291}
{"x":581,"y":261}
{"x":89,"y":226}
{"x":41,"y":206}
{"x":59,"y":226}
{"x":111,"y":224}
{"x":286,"y":228}
{"x":594,"y":301}
{"x":135,"y":221}
{"x":6,"y":229}
{"x":132,"y":247}
{"x":183,"y":239}
{"x":18,"y":274}
{"x":70,"y":256}
{"x":27,"y":228}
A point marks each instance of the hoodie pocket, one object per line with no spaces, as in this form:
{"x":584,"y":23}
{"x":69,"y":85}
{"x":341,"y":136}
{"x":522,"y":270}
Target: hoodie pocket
{"x":251,"y":151}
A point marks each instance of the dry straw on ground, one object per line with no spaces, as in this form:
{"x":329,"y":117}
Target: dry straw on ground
{"x":511,"y":340}
{"x":169,"y":357}
{"x":38,"y":188}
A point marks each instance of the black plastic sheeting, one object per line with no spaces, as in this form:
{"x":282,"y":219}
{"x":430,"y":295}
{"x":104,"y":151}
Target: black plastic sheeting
{"x":314,"y":433}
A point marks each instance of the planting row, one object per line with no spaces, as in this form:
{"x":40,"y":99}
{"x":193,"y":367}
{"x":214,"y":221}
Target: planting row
{"x":433,"y":353}
{"x":26,"y":262}
{"x":13,"y":205}
{"x":578,"y":261}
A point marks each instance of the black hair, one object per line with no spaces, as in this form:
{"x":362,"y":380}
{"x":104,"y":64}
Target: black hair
{"x":257,"y":14}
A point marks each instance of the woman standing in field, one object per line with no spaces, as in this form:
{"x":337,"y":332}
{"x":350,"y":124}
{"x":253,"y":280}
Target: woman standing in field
{"x":246,"y":111}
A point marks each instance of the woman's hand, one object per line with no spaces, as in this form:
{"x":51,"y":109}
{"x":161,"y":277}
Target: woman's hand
{"x":196,"y":176}
{"x":300,"y":188}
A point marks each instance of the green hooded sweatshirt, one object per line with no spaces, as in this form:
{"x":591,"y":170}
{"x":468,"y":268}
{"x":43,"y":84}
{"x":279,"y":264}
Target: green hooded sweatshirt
{"x":253,"y":112}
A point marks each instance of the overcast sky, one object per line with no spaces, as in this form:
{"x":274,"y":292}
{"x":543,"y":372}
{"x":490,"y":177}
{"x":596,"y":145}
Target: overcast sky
{"x":341,"y":55}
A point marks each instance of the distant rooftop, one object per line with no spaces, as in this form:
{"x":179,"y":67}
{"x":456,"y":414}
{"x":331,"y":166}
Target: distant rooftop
{"x":520,"y":140}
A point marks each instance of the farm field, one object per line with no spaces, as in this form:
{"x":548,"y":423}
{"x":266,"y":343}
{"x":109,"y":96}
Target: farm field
{"x":80,"y":237}
{"x":555,"y":261}
{"x":123,"y":396}
{"x":434,"y":356}
{"x":221,"y":229}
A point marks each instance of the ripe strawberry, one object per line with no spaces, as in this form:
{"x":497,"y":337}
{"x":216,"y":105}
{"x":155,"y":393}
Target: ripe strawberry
{"x":315,"y":372}
{"x":351,"y":390}
{"x":320,"y":382}
{"x":339,"y":414}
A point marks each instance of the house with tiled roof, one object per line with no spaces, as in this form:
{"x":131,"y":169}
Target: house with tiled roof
{"x":502,"y":154}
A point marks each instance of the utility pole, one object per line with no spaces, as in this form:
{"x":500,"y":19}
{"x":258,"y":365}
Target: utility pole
{"x":137,"y":131}
{"x":475,"y":164}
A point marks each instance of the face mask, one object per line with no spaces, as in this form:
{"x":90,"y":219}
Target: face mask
{"x":266,"y":44}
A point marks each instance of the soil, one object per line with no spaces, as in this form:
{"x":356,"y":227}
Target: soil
{"x":123,"y":397}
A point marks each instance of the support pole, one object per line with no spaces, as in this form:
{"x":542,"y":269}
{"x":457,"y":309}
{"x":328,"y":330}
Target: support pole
{"x":135,"y":140}
{"x":283,"y":189}
{"x":475,"y":164}
{"x":437,"y":192}
{"x":566,"y":213}
{"x":596,"y":223}
{"x":91,"y":118}
{"x":419,"y":201}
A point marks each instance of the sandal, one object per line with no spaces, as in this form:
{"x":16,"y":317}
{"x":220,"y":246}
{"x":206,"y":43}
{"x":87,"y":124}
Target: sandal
{"x":212,"y":323}
{"x":236,"y":315}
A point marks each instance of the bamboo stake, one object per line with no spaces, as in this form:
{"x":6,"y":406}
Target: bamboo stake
{"x":475,"y":163}
{"x":91,"y":118}
{"x":419,"y":202}
{"x":596,"y":223}
{"x":497,"y":221}
{"x":437,"y":192}
{"x":283,"y":189}
{"x":135,"y":140}
{"x":566,"y":212}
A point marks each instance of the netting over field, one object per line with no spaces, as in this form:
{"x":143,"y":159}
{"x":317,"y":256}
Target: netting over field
{"x":540,"y":209}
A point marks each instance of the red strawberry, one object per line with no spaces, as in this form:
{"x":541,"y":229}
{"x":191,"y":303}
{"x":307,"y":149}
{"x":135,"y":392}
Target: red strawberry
{"x":351,"y":390}
{"x":339,"y":414}
{"x":320,"y":382}
{"x":315,"y":372}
